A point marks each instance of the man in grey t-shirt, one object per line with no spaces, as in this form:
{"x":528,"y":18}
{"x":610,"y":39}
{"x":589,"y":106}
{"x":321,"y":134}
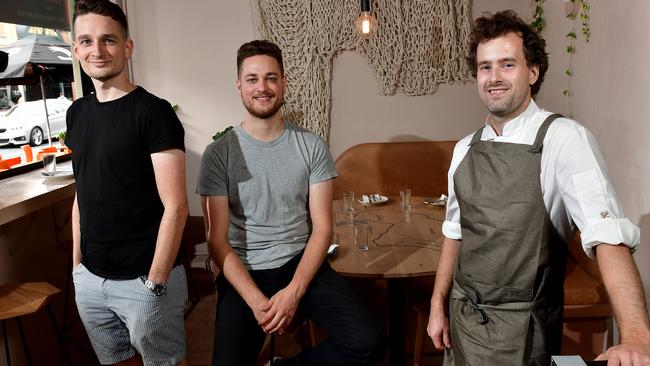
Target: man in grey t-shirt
{"x":268,"y":186}
{"x":266,"y":193}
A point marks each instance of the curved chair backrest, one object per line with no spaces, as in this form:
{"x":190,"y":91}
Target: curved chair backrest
{"x":387,"y":167}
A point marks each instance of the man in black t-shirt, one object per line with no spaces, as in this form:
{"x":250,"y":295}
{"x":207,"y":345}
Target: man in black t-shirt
{"x":131,"y":204}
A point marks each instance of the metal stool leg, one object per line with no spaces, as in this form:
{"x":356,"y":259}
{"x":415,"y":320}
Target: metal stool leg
{"x":272,"y":349}
{"x":4,"y":335}
{"x":59,"y":336}
{"x":24,"y":341}
{"x":66,"y":291}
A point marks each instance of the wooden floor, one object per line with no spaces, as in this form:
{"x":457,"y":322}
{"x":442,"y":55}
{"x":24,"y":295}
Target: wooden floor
{"x":199,"y":331}
{"x":199,"y":327}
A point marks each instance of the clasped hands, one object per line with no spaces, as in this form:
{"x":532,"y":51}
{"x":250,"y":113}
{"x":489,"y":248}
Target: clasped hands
{"x":276,"y":313}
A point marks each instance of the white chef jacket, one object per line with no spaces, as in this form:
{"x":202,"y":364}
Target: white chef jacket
{"x":575,"y":184}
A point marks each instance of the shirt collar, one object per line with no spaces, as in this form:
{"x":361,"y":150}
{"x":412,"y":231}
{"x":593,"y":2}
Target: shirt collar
{"x":515,"y":125}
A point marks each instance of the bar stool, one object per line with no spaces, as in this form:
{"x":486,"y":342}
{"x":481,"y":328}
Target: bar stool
{"x":20,"y":299}
{"x":420,"y":332}
{"x":307,"y":333}
{"x":61,"y":227}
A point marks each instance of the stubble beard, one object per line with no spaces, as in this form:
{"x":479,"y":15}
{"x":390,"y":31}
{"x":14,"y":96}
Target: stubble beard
{"x":266,"y":113}
{"x":103,"y":75}
{"x":500,"y":109}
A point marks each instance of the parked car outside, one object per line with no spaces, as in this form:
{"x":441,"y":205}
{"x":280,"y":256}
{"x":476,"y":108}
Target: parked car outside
{"x":4,"y":102}
{"x":25,"y":122}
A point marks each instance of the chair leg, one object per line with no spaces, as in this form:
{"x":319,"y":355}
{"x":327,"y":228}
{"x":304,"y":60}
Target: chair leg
{"x":312,"y":333}
{"x":419,"y":338}
{"x":272,"y":349}
{"x":60,"y":337}
{"x":4,"y":335}
{"x":304,"y":331}
{"x":66,"y":290}
{"x":608,"y":339}
{"x":24,"y":341}
{"x":66,"y":295}
{"x":191,"y":285}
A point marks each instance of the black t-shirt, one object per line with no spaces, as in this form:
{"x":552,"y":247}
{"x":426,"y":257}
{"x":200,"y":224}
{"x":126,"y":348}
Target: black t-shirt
{"x":120,"y":209}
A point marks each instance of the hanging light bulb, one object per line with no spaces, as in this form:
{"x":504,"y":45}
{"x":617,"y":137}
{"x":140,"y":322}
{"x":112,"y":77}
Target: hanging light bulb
{"x":366,"y":23}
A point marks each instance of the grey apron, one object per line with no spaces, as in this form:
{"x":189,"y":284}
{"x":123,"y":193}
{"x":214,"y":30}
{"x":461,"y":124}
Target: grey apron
{"x":507,"y":297}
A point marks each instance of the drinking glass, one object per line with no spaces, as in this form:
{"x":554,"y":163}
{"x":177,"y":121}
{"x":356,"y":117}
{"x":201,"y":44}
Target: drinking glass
{"x":361,"y":235}
{"x":49,"y":164}
{"x":405,"y":199}
{"x":348,"y":201}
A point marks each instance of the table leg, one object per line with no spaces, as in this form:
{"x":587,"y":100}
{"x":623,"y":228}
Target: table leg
{"x":396,"y":322}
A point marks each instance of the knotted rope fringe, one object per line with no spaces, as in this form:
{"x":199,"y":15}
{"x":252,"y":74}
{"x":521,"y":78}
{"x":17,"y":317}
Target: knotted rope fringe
{"x":418,"y":45}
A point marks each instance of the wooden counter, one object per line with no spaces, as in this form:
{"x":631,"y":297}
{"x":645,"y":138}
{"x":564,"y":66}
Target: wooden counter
{"x":29,"y":192}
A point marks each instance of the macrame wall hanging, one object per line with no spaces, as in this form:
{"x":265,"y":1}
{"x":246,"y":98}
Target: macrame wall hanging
{"x":418,"y":45}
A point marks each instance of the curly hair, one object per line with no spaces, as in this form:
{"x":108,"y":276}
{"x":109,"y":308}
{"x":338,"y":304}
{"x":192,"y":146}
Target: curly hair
{"x":259,"y":47}
{"x":504,"y":22}
{"x":101,"y":7}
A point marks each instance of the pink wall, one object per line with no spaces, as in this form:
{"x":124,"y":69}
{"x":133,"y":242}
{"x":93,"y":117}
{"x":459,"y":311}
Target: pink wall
{"x":611,"y":85}
{"x":185,"y":52}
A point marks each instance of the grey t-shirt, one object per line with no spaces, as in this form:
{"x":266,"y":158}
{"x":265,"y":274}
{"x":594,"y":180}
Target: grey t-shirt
{"x":267,"y":184}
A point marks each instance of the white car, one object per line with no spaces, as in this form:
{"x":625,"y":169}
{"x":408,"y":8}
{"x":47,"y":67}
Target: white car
{"x":25,"y":122}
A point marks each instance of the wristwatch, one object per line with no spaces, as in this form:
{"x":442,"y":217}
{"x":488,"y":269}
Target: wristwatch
{"x":158,"y":289}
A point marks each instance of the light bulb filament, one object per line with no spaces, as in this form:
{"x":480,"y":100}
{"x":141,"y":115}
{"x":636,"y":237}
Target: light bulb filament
{"x":365,"y":26}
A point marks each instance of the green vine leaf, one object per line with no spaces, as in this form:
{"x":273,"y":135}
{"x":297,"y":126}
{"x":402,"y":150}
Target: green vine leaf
{"x":584,"y":17}
{"x":580,"y":10}
{"x":538,"y":19}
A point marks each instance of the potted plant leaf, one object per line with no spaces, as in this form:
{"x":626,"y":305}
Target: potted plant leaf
{"x":62,"y":139}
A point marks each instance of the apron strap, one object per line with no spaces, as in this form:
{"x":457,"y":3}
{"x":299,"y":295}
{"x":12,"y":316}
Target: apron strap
{"x":536,"y":147}
{"x":477,"y":136}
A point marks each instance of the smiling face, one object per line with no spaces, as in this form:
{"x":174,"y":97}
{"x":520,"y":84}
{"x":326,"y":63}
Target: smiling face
{"x":261,"y":85}
{"x":101,"y":46}
{"x":503,"y":77}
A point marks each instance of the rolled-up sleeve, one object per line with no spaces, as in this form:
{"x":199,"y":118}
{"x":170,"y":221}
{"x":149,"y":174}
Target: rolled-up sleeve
{"x":590,"y":197}
{"x":451,"y":226}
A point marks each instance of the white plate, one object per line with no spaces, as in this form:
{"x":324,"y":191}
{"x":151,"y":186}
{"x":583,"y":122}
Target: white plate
{"x":382,"y":199}
{"x":332,"y":249}
{"x":60,"y":174}
{"x":435,"y":201}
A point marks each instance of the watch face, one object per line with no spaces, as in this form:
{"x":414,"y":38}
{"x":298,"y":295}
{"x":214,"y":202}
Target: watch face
{"x":158,"y":289}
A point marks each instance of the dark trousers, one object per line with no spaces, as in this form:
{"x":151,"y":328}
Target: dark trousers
{"x":354,"y":336}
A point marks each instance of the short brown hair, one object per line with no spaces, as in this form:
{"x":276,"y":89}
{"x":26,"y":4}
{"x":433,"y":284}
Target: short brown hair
{"x":504,"y":22}
{"x":101,"y":7}
{"x":259,"y":47}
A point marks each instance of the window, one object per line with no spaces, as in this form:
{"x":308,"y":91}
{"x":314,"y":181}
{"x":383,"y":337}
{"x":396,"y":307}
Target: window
{"x":22,"y":111}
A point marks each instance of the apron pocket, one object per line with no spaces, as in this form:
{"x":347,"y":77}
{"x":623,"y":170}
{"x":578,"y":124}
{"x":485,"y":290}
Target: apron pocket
{"x":502,"y":340}
{"x":499,"y":294}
